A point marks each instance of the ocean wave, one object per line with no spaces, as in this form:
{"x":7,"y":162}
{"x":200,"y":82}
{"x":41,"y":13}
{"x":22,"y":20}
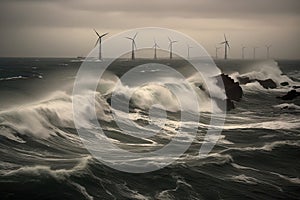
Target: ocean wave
{"x":82,"y":190}
{"x":42,"y":119}
{"x":242,"y":178}
{"x":261,"y":71}
{"x":38,"y":170}
{"x":13,"y":78}
{"x":172,"y":94}
{"x":266,"y":147}
{"x":294,"y":180}
{"x":284,"y":124}
{"x":288,"y":106}
{"x":129,"y":193}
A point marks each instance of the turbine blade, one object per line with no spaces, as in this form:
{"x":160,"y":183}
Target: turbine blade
{"x":128,"y":38}
{"x":96,"y":32}
{"x":225,"y":37}
{"x":135,"y":35}
{"x":103,"y":35}
{"x":228,"y":45}
{"x":97,"y":41}
{"x":169,"y":39}
{"x":222,"y":42}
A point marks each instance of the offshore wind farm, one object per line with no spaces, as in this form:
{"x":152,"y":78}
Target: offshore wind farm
{"x":226,"y":48}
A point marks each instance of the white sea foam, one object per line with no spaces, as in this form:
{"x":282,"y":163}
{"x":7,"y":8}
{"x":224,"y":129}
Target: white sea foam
{"x":242,"y":178}
{"x":131,"y":194}
{"x":42,"y":118}
{"x":294,"y":180}
{"x":268,"y":69}
{"x":13,"y":78}
{"x":263,"y":70}
{"x":56,"y":173}
{"x":288,"y":106}
{"x":272,"y":125}
{"x":267,"y":146}
{"x":82,"y":190}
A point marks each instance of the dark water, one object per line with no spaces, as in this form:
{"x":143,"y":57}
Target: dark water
{"x":42,"y":157}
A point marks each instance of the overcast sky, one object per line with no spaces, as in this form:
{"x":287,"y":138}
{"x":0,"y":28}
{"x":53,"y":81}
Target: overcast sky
{"x":63,"y":28}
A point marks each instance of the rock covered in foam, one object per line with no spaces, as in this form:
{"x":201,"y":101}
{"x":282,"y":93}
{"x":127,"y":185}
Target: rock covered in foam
{"x":267,"y":83}
{"x":290,"y":95}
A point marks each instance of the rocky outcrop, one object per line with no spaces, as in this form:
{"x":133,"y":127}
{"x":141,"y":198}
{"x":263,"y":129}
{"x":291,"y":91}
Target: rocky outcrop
{"x":290,"y":95}
{"x":267,"y":83}
{"x":233,"y":90}
{"x":243,"y":80}
{"x":284,"y":83}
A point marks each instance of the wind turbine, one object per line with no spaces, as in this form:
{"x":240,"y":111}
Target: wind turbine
{"x":226,"y":44}
{"x":254,"y":52}
{"x":268,"y":50}
{"x":99,"y":40}
{"x":133,"y":45}
{"x":171,"y":47}
{"x":188,"y":50}
{"x":243,"y":52}
{"x":217,"y":49}
{"x":155,"y":46}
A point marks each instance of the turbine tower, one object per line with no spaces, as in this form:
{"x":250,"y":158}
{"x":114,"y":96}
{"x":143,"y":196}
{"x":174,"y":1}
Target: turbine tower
{"x":188,"y":50}
{"x":133,"y":45}
{"x":217,"y":49}
{"x":254,"y":52}
{"x":155,"y":46}
{"x":226,"y":44}
{"x":268,"y":50}
{"x":171,"y":47}
{"x":243,"y":52}
{"x":99,"y":40}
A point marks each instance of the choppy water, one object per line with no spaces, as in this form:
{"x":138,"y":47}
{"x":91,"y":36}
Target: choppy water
{"x":42,"y":156}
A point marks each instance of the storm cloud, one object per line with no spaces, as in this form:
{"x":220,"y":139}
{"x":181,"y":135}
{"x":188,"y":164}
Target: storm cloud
{"x":64,"y":27}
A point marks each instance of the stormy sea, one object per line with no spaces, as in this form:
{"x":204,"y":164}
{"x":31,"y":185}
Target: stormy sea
{"x":256,"y":155}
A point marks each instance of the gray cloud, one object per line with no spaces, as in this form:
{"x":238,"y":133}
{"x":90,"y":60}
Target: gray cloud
{"x":79,"y":13}
{"x":259,"y":20}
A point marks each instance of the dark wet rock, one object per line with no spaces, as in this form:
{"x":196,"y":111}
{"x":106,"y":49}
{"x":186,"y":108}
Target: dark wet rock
{"x":296,"y":86}
{"x":267,"y":83}
{"x":233,"y":91}
{"x":284,"y":83}
{"x":243,"y":80}
{"x":290,"y":95}
{"x":227,"y":102}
